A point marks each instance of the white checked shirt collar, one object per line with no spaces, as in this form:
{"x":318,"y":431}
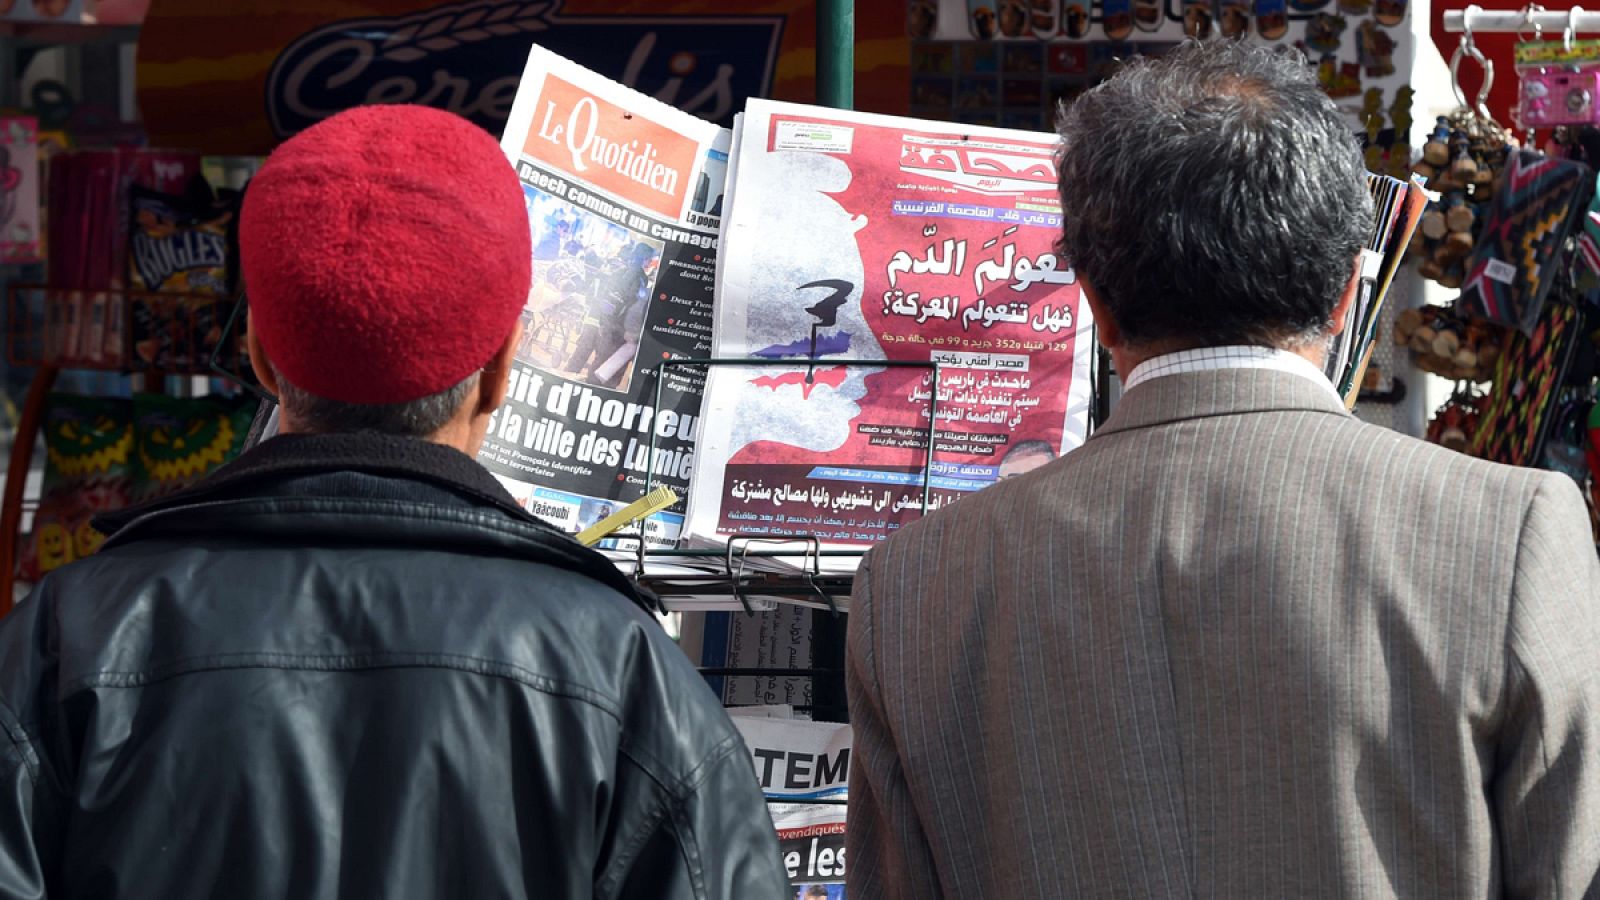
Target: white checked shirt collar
{"x":1206,"y":359}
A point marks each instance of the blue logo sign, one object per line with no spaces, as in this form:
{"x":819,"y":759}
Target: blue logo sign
{"x":467,"y":58}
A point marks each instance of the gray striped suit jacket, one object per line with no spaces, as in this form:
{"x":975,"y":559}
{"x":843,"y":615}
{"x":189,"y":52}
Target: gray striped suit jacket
{"x":1238,"y":645}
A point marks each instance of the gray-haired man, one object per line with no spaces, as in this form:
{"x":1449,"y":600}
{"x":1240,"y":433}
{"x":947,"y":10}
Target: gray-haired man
{"x":1239,"y":644}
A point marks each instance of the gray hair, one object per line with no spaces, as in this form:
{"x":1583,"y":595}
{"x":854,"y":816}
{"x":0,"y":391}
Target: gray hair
{"x":1213,"y":195}
{"x":416,"y":418}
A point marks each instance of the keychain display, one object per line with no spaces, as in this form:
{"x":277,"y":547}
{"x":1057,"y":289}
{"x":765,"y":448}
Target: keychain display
{"x":1446,"y":343}
{"x":1455,"y":424}
{"x":1462,"y":161}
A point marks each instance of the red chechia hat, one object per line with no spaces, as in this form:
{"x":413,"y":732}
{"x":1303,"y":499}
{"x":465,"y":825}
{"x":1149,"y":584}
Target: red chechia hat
{"x":386,"y":254}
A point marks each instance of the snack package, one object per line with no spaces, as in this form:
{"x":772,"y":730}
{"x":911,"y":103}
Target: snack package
{"x":182,"y":440}
{"x":89,"y":468}
{"x":179,"y":245}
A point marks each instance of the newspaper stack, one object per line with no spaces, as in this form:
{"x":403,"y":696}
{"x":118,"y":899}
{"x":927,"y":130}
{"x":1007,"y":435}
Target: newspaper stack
{"x":804,"y":771}
{"x":913,"y":335}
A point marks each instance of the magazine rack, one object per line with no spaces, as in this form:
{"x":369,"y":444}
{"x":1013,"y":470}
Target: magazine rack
{"x":733,"y":569}
{"x":808,"y":586}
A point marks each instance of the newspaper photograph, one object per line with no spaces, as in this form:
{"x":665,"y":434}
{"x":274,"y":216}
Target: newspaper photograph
{"x":624,"y":197}
{"x":853,"y":239}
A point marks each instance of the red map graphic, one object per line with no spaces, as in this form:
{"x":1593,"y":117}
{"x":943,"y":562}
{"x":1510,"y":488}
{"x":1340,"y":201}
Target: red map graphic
{"x":833,"y":376}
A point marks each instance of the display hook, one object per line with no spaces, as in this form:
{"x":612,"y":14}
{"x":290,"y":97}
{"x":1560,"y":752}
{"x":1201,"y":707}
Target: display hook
{"x":1468,"y":48}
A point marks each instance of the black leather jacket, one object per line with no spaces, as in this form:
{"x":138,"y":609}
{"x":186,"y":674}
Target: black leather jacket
{"x":350,"y":666}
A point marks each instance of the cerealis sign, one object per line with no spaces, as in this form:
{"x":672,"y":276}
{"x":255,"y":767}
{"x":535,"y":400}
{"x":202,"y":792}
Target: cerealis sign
{"x":240,"y":80}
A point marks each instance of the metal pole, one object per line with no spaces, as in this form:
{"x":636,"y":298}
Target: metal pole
{"x":836,"y":51}
{"x":1551,"y":23}
{"x":836,"y":87}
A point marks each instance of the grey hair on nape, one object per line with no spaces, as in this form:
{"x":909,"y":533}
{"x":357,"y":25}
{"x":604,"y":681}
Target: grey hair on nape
{"x":414,"y":418}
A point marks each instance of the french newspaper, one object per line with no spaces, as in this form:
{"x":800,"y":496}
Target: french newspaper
{"x":804,"y":770}
{"x":855,"y":239}
{"x":624,"y":198}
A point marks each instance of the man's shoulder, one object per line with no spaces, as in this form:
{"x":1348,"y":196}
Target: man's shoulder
{"x":1383,"y":462}
{"x":158,"y":607}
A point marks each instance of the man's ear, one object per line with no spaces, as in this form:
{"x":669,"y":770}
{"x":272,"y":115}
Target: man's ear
{"x":495,"y":382}
{"x":1105,"y":327}
{"x":1341,"y":311}
{"x":259,"y":363}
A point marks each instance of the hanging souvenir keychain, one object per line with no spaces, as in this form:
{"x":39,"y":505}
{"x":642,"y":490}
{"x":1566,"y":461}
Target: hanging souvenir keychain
{"x":1116,"y":17}
{"x":1044,"y":16}
{"x":981,"y":20}
{"x":1390,"y":13}
{"x":1149,"y":15}
{"x":1272,"y":19}
{"x":1074,"y":18}
{"x":1324,"y":31}
{"x":1558,"y":81}
{"x":1234,"y":18}
{"x":1462,"y":160}
{"x":1013,"y":18}
{"x":1374,"y":50}
{"x":1455,"y":424}
{"x":1197,"y":18}
{"x":1399,"y":165}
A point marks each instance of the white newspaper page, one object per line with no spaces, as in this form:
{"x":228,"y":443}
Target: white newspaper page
{"x":799,"y":763}
{"x":624,"y":198}
{"x":872,"y":238}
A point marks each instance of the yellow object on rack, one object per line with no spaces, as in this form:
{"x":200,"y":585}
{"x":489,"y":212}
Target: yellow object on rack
{"x":653,"y":502}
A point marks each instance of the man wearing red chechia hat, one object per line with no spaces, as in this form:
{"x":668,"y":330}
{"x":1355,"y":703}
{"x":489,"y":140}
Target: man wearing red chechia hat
{"x":349,"y":665}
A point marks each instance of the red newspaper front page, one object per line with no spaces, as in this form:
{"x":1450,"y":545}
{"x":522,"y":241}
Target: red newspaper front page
{"x":862,"y":237}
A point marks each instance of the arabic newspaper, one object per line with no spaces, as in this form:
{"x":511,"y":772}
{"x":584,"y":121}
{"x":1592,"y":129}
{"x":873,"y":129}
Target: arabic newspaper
{"x":868,"y":237}
{"x":798,"y":764}
{"x":624,"y":198}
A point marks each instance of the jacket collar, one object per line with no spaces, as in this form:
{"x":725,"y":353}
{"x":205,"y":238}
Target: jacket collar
{"x":247,"y":494}
{"x":1220,"y":392}
{"x":290,"y":455}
